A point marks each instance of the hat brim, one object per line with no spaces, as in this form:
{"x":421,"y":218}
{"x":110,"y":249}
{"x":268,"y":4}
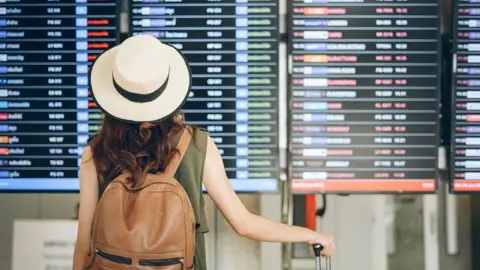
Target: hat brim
{"x":111,"y":102}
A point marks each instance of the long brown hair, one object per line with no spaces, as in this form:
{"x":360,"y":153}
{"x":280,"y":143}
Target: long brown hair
{"x":136,"y":148}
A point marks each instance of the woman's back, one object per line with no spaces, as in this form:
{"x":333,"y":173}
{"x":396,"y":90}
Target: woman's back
{"x":190,"y":174}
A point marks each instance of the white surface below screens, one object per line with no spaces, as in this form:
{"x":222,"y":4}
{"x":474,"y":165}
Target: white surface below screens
{"x":43,"y":244}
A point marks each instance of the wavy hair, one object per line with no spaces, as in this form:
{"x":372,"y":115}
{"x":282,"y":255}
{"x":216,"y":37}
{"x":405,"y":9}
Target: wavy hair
{"x":136,"y":148}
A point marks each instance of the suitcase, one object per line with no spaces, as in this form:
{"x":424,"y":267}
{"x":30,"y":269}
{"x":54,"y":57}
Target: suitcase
{"x":318,"y":259}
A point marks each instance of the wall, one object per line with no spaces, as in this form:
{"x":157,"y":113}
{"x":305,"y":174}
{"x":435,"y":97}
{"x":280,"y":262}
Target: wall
{"x":361,"y":225}
{"x":358,"y":223}
{"x":393,"y":232}
{"x":30,"y":206}
{"x":462,"y":259}
{"x":235,"y":253}
{"x":349,"y":219}
{"x":14,"y":206}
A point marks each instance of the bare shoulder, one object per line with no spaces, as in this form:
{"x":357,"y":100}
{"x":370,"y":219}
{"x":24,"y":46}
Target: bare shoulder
{"x":212,"y":149}
{"x":87,"y":167}
{"x":87,"y":154}
{"x":214,"y":169}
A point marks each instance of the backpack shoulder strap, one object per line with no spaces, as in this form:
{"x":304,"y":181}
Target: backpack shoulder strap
{"x":182,"y":147}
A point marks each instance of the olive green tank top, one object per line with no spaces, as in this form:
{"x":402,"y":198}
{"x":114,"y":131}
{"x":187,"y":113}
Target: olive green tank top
{"x":190,"y":175}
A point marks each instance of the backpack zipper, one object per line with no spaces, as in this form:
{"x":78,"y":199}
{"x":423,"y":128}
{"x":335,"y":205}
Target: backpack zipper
{"x":161,"y":262}
{"x":114,"y":258}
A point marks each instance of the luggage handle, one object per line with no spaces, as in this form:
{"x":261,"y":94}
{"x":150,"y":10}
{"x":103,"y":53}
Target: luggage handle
{"x":317,"y":248}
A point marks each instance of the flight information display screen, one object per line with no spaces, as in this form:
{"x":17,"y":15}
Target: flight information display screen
{"x":232,"y":49}
{"x":45,"y":52}
{"x":364,"y":95}
{"x":465,"y":145}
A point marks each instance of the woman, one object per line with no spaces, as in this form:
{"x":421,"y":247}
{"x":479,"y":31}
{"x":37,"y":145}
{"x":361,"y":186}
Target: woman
{"x":140,"y":85}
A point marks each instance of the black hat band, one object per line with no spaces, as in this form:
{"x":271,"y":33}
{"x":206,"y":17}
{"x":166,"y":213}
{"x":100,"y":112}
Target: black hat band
{"x":140,"y":98}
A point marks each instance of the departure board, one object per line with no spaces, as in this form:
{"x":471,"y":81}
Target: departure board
{"x":46,"y":48}
{"x":364,"y":95}
{"x":465,"y":145}
{"x":232,"y":50}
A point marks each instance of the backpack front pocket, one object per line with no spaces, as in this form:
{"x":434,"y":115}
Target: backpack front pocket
{"x":110,"y":260}
{"x":161,"y":262}
{"x":113,"y":258}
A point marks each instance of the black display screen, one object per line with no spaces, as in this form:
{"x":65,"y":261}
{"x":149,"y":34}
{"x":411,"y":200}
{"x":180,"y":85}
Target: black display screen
{"x":364,"y":95}
{"x":46,"y":48}
{"x":232,"y":49}
{"x":465,"y":144}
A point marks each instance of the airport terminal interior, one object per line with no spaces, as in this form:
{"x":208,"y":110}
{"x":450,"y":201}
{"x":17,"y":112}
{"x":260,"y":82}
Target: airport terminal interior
{"x":348,"y":117}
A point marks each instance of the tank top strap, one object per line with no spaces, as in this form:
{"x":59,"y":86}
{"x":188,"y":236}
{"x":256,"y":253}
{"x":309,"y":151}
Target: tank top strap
{"x":190,"y":175}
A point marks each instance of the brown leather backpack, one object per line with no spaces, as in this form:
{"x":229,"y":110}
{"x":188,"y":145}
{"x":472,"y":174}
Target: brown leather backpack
{"x":148,"y":227}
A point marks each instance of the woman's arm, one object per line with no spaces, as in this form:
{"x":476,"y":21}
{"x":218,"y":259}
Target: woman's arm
{"x":245,"y":223}
{"x":88,"y":203}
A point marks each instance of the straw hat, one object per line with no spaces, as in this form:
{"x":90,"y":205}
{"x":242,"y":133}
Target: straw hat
{"x":140,"y":80}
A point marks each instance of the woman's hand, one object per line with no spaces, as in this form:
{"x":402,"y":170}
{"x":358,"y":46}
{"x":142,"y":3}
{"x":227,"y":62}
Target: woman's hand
{"x":326,"y":241}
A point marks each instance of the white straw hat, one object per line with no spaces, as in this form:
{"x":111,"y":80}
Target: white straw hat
{"x":140,"y":80}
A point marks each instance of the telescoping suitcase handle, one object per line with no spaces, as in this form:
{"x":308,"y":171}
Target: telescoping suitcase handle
{"x":317,"y":248}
